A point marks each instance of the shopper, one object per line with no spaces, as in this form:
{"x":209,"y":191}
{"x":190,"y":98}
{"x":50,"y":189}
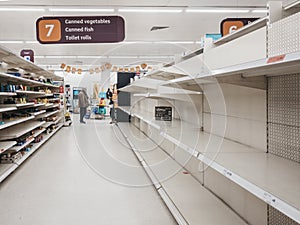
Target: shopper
{"x":83,"y":103}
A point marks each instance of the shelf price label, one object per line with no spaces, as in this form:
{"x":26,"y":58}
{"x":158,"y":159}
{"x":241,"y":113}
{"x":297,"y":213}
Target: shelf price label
{"x":80,"y":29}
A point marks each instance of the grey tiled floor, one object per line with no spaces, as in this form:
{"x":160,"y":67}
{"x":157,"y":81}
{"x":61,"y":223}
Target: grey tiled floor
{"x":84,"y":175}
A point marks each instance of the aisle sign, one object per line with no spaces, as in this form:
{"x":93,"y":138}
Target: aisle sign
{"x":72,"y":30}
{"x":230,"y":25}
{"x":27,"y":54}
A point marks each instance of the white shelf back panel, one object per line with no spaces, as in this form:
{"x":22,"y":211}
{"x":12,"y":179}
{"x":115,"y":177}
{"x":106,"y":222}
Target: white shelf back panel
{"x":248,"y":48}
{"x":284,"y":116}
{"x":284,"y":36}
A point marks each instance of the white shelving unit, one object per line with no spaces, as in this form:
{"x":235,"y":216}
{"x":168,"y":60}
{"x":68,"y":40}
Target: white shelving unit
{"x":6,"y":94}
{"x":174,"y":191}
{"x":7,"y":109}
{"x":15,"y":122}
{"x":36,"y":146}
{"x":271,"y":181}
{"x":7,"y":169}
{"x":19,"y":129}
{"x":243,"y":31}
{"x":50,"y":114}
{"x":19,"y":148}
{"x":31,"y":92}
{"x":20,"y":80}
{"x":39,"y":132}
{"x":38,"y":113}
{"x":235,"y":161}
{"x":5,"y":145}
{"x":287,"y":64}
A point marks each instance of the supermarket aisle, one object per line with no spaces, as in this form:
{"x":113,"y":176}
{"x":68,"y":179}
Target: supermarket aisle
{"x":83,"y":175}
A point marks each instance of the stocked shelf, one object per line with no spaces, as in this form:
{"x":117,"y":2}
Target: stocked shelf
{"x":39,"y":132}
{"x":38,"y":113}
{"x":7,"y":109}
{"x":20,"y":80}
{"x":36,"y":146}
{"x":30,"y":92}
{"x":53,"y":99}
{"x":7,"y":169}
{"x":15,"y":122}
{"x":15,"y":61}
{"x":47,"y":124}
{"x":50,"y":105}
{"x":50,"y":113}
{"x":19,"y":130}
{"x":19,"y":148}
{"x":7,"y":94}
{"x":5,"y":145}
{"x":39,"y":104}
{"x":19,"y":105}
{"x":235,"y":161}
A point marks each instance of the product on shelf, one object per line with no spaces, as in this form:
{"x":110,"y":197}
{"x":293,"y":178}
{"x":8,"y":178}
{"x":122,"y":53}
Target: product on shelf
{"x":10,"y":157}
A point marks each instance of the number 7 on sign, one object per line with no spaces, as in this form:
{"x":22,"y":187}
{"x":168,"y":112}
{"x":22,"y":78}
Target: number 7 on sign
{"x":50,"y":27}
{"x":48,"y":30}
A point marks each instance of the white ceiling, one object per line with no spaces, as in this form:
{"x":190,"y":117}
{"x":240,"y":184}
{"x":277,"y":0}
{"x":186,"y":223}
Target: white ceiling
{"x":183,"y":27}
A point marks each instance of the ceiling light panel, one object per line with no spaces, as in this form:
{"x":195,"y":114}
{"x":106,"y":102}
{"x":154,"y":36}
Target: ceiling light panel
{"x":260,"y":11}
{"x":80,"y":10}
{"x":212,"y":10}
{"x":15,"y":9}
{"x":142,"y":10}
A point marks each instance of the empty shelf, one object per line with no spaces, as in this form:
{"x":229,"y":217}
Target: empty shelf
{"x":19,"y":130}
{"x":183,"y":190}
{"x":15,"y":122}
{"x":243,"y":31}
{"x":6,"y":170}
{"x":268,"y":178}
{"x":5,"y":145}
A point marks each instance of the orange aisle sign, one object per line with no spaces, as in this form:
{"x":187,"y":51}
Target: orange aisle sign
{"x":49,"y":30}
{"x":80,"y":29}
{"x":230,"y":25}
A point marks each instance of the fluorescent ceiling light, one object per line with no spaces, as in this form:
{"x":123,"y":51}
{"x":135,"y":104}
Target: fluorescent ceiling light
{"x":31,"y":42}
{"x":122,"y":57}
{"x":138,"y":10}
{"x":217,"y":10}
{"x":90,"y":57}
{"x":12,"y":42}
{"x":22,"y":9}
{"x":79,"y":10}
{"x":260,"y":11}
{"x":155,"y":57}
{"x":60,"y":57}
{"x":175,"y":42}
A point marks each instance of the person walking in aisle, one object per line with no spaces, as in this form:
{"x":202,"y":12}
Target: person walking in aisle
{"x":83,"y":103}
